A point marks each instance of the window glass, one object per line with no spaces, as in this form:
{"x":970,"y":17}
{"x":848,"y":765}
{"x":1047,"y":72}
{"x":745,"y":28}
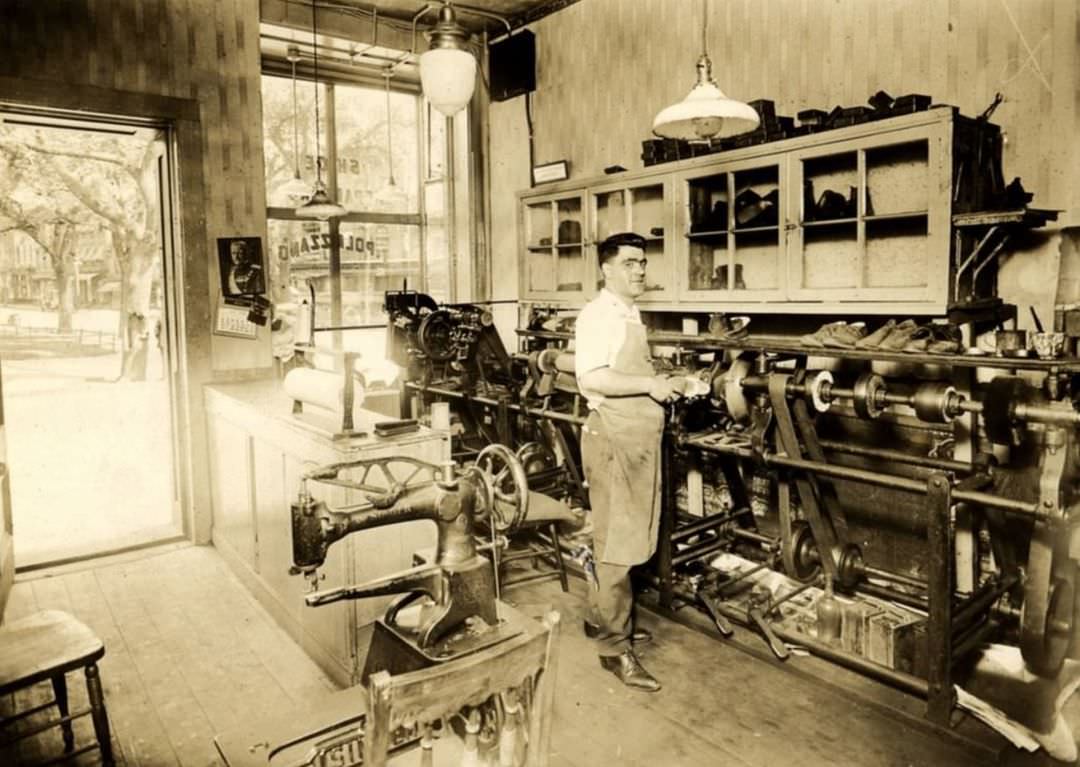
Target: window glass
{"x":279,"y":138}
{"x":366,"y":179}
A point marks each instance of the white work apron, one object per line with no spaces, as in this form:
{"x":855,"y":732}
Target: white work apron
{"x":625,"y":470}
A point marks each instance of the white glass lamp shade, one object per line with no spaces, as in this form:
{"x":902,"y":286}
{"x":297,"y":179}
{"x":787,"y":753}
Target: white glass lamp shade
{"x":320,"y":206}
{"x":295,"y":190}
{"x":448,"y":76}
{"x":705,"y":113}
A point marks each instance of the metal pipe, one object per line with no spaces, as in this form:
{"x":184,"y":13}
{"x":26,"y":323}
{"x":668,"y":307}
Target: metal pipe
{"x":750,"y":535}
{"x":964,"y":644}
{"x":1007,"y":505}
{"x":898,"y":456}
{"x":707,"y":523}
{"x":697,"y":553}
{"x":541,"y":413}
{"x":889,"y":575}
{"x":981,"y":600}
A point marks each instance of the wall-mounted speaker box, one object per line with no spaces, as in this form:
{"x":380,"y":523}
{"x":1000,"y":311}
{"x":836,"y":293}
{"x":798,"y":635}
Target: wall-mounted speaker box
{"x":513,"y":65}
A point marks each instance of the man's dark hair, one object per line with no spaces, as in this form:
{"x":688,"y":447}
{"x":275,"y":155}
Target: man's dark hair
{"x":609,"y":248}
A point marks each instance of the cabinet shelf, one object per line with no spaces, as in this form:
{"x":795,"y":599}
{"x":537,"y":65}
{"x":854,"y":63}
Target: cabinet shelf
{"x":752,"y":229}
{"x":828,"y":222}
{"x":707,"y":235}
{"x":897,"y":216}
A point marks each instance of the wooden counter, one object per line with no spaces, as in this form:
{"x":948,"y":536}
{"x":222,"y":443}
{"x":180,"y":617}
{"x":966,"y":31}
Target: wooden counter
{"x":257,"y":452}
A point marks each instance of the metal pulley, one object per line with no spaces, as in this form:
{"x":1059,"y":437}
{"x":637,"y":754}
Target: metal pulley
{"x":729,"y":388}
{"x":867,"y":390}
{"x":935,"y":402}
{"x":802,"y":561}
{"x":817,"y":390}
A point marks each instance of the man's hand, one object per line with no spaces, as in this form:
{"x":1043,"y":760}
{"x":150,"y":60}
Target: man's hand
{"x":662,"y":390}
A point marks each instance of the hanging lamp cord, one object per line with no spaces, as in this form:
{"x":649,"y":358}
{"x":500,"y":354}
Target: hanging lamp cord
{"x":315,"y":54}
{"x":705,"y":27}
{"x":389,"y":133}
{"x":295,"y":122}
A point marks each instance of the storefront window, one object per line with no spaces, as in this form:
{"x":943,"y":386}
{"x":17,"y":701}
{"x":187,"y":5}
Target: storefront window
{"x":395,"y":232}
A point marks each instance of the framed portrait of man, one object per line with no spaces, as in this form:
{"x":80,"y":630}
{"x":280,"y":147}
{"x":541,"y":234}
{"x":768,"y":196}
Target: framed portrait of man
{"x":243,"y":272}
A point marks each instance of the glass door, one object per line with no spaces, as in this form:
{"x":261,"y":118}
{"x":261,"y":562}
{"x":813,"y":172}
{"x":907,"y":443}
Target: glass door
{"x":733,"y":242}
{"x":644,"y":209}
{"x":554,"y":244}
{"x":870,"y":221}
{"x":85,"y":335}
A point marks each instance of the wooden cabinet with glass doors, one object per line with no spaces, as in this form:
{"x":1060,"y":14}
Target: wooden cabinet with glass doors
{"x":857,"y":219}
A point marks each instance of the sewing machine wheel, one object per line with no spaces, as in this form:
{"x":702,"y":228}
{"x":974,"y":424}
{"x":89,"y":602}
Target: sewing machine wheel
{"x":1046,"y":619}
{"x":509,"y":486}
{"x":434,"y":336}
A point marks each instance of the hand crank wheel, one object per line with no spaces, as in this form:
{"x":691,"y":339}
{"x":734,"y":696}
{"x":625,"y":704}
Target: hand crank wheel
{"x":509,"y":487}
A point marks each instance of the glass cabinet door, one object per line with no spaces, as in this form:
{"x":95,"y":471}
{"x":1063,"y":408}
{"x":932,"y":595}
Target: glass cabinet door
{"x":554,"y":265}
{"x":734,"y":241}
{"x":866,"y":219}
{"x":643,"y":209}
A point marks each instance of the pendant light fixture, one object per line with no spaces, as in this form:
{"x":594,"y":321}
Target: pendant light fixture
{"x":448,"y":69}
{"x":706,"y":112}
{"x":295,"y":189}
{"x":320,"y":205}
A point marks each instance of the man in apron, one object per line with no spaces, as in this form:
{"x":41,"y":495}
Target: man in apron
{"x":620,"y":450}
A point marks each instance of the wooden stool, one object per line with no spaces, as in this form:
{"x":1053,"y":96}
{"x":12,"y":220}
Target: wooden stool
{"x":47,"y":645}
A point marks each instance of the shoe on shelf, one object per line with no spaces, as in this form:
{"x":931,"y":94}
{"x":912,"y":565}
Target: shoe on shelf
{"x":872,"y":340}
{"x":817,"y":338}
{"x":628,"y":668}
{"x":845,"y":336}
{"x":637,"y":636}
{"x":919,"y":340}
{"x":899,"y":336}
{"x":946,"y":338}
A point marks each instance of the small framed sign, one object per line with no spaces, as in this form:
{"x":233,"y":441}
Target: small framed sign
{"x":232,"y":320}
{"x":551,"y":171}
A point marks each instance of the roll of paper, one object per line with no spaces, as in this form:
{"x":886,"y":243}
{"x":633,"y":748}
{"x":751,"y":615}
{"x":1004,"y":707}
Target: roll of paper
{"x":322,"y":389}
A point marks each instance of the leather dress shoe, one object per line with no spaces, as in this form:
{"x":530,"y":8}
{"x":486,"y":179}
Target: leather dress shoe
{"x":637,"y":636}
{"x":630,"y":671}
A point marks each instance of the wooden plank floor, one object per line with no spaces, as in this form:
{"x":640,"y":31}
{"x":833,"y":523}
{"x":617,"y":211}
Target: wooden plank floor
{"x":189,"y":654}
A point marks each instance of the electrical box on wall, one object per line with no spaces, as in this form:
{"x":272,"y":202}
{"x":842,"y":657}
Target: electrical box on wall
{"x":513,"y":66}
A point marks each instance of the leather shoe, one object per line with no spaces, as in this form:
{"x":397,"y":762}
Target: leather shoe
{"x":637,"y":636}
{"x":630,"y":671}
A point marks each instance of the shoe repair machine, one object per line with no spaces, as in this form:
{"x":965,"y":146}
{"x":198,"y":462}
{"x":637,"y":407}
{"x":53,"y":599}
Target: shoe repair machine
{"x":448,"y":606}
{"x":964,"y":491}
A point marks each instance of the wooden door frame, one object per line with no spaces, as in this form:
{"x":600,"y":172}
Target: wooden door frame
{"x":191,"y":291}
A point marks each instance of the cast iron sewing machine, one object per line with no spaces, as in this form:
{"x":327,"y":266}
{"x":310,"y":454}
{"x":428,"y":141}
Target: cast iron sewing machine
{"x":447,"y":606}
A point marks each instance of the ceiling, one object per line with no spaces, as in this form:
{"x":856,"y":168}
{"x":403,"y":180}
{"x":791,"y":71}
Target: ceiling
{"x":516,"y":12}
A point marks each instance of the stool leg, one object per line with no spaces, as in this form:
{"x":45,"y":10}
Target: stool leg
{"x":99,"y":715}
{"x":559,"y":557}
{"x":59,"y":685}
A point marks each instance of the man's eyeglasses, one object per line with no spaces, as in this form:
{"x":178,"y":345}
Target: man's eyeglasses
{"x":631,"y":264}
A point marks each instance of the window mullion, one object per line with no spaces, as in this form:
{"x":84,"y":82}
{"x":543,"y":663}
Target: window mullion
{"x":336,"y":307}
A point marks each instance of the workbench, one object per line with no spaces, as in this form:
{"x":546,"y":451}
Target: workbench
{"x":257,"y":451}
